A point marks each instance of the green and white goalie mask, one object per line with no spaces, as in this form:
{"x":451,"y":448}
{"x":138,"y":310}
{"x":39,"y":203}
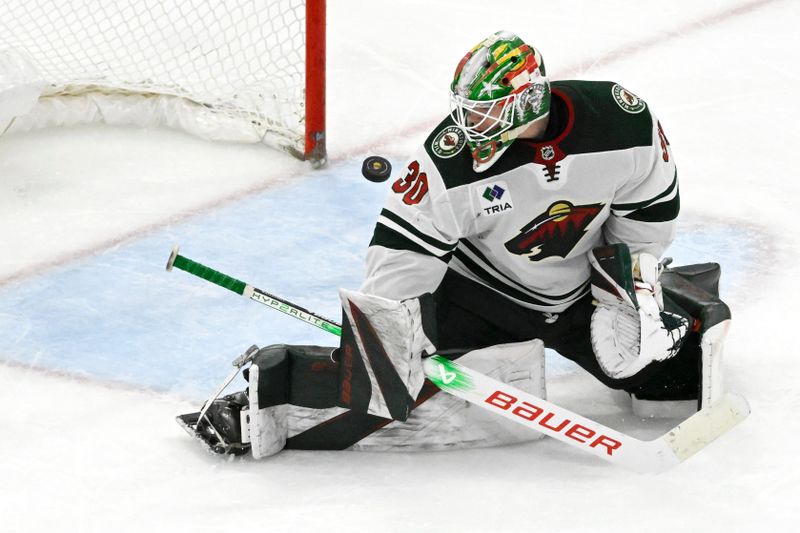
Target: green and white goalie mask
{"x":499,"y":89}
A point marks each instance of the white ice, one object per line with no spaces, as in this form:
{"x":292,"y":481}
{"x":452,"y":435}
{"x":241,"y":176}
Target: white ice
{"x":100,"y":348}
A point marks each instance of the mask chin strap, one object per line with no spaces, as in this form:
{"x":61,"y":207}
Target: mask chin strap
{"x":476,"y":153}
{"x":483,"y":163}
{"x":513,"y":133}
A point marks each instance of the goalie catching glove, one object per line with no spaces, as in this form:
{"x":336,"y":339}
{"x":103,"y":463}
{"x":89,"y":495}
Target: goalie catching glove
{"x":629,"y":327}
{"x":380,"y":359}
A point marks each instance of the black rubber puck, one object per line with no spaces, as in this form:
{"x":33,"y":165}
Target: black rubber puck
{"x":376,"y":168}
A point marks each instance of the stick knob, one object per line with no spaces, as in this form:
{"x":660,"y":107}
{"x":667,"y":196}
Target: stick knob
{"x":172,"y":257}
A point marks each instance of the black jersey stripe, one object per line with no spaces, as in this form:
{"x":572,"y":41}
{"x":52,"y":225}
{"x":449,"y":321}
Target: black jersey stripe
{"x":646,"y":203}
{"x":444,"y":246}
{"x":487,"y":264}
{"x":509,"y":291}
{"x":661,"y":212}
{"x":389,"y":238}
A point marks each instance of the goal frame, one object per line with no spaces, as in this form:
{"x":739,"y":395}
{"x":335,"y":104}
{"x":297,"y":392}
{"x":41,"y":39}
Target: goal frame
{"x":315,"y":146}
{"x":31,"y":99}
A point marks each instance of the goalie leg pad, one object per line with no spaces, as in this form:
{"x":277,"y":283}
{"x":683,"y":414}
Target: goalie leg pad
{"x":446,"y":422}
{"x":291,"y":397}
{"x":282,"y":378}
{"x":440,"y":421}
{"x":696,"y":288}
{"x":693,"y":288}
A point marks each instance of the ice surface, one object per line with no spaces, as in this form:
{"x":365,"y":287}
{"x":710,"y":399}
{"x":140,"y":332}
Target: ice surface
{"x":100,"y":347}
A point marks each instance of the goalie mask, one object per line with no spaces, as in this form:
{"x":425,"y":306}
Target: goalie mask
{"x":498,"y":90}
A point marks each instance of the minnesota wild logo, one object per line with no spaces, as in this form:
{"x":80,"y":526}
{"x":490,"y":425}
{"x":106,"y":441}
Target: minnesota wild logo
{"x":554,"y":232}
{"x":448,"y":142}
{"x":628,"y":101}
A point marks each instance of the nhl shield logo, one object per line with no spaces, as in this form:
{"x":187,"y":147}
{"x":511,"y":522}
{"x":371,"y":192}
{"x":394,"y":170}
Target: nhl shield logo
{"x":448,"y":142}
{"x":626,"y":100}
{"x":548,"y":153}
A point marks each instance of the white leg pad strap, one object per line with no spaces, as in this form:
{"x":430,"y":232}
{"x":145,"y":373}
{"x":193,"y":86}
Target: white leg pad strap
{"x":268,"y":427}
{"x":711,"y":345}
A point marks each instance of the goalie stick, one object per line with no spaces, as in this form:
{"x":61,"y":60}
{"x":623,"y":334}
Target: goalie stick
{"x":248,"y":291}
{"x":672,"y":448}
{"x":662,"y":453}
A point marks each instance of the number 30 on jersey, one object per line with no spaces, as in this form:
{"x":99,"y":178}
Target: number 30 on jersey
{"x":414,"y":186}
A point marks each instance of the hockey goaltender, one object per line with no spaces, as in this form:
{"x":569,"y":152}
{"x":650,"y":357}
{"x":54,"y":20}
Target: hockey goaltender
{"x":534,"y":215}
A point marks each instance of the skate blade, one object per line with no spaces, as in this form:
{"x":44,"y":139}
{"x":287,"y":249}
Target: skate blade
{"x":189,"y":423}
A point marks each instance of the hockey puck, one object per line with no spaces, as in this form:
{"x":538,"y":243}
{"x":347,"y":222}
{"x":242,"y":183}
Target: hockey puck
{"x":376,"y":168}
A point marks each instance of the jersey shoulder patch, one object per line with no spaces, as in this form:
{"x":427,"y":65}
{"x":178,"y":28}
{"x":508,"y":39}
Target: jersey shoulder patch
{"x":607,"y":116}
{"x":447,"y":147}
{"x":448,"y":150}
{"x":448,"y":141}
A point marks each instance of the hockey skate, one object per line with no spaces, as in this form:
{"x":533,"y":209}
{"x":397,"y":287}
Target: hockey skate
{"x":236,"y":424}
{"x":222,"y":424}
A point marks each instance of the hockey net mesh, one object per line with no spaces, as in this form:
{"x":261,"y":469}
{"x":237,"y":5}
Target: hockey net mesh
{"x":239,"y":61}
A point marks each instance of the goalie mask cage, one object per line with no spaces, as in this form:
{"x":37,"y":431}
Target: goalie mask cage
{"x":245,"y":71}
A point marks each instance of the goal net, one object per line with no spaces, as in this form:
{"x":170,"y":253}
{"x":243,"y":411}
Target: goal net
{"x":247,"y":70}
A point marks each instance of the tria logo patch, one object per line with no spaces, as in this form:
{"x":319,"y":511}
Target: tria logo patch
{"x":495,"y":198}
{"x":554,"y":232}
{"x":494,"y":193}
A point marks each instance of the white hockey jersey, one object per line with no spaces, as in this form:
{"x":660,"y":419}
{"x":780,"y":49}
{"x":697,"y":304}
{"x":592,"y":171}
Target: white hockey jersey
{"x":523,"y":227}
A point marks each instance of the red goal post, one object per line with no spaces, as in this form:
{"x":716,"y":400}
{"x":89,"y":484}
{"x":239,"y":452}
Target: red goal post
{"x":244,"y":71}
{"x":314,"y":147}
